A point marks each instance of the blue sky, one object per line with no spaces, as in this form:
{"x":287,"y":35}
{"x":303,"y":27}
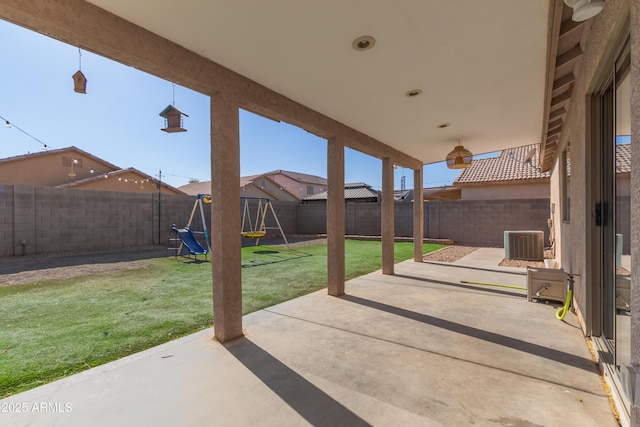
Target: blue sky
{"x":117,"y":120}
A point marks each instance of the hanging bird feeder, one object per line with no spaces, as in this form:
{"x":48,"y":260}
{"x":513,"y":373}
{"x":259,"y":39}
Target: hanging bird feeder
{"x":79,"y":80}
{"x":173,"y":119}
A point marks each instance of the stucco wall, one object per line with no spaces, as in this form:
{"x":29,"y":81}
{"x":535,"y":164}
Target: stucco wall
{"x":299,"y":189}
{"x":50,"y":169}
{"x":601,"y":37}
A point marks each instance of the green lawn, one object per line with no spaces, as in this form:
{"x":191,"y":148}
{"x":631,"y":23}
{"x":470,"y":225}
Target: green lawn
{"x":53,"y":329}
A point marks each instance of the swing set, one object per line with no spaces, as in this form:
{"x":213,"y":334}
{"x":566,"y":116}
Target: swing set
{"x":254,"y":226}
{"x":186,"y":236}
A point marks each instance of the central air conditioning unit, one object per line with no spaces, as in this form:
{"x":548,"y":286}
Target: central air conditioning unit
{"x":525,"y":245}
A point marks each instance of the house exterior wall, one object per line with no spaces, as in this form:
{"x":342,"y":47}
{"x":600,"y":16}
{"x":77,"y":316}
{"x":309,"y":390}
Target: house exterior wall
{"x":576,"y":255}
{"x":128,"y":181}
{"x":576,"y":237}
{"x":555,"y":213}
{"x":265,"y":187}
{"x":635,"y":195}
{"x":538,"y":190}
{"x":49,"y":170}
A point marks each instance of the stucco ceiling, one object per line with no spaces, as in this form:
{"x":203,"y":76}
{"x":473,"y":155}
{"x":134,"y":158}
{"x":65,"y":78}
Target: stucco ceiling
{"x":480,"y":64}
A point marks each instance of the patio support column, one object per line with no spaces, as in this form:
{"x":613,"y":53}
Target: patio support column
{"x":225,"y":217}
{"x":387,"y":216}
{"x":418,"y":216}
{"x":335,"y":217}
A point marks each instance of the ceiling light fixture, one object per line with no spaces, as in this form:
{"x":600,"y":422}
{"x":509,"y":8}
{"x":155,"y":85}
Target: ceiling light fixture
{"x":459,"y":158}
{"x":363,"y":43}
{"x":584,"y":9}
{"x":413,"y":92}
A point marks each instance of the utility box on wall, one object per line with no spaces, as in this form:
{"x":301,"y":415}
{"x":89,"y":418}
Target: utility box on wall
{"x":525,"y":245}
{"x":546,"y":284}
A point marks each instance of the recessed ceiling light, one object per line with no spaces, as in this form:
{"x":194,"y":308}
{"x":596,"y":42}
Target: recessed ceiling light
{"x":413,"y":92}
{"x":443,"y":125}
{"x":363,"y":43}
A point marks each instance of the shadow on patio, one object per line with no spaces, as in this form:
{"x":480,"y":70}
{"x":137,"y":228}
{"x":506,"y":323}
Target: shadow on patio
{"x":417,"y":348}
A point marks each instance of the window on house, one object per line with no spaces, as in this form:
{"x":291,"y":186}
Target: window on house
{"x":564,"y":176}
{"x":310,"y":190}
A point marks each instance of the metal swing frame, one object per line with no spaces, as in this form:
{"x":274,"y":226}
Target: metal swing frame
{"x":257,"y":228}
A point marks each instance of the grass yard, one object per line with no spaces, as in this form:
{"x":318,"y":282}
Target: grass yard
{"x":56,"y":328}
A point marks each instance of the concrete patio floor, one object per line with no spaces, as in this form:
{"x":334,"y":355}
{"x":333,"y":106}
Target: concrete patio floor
{"x":417,"y":348}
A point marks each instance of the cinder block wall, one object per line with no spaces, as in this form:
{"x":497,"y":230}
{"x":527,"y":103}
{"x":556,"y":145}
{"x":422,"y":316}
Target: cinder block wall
{"x":54,"y":220}
{"x":483,"y":222}
{"x":7,"y":230}
{"x":474,"y":222}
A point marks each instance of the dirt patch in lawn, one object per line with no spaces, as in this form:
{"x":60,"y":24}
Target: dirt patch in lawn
{"x":61,"y":273}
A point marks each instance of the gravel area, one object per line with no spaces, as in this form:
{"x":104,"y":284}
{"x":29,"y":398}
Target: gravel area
{"x":523,"y":263}
{"x":449,"y":254}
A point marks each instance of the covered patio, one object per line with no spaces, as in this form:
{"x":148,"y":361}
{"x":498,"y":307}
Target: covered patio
{"x":415,"y":348}
{"x":404,"y":83}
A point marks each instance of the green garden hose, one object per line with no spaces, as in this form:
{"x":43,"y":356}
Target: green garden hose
{"x":494,"y":284}
{"x":562,"y":312}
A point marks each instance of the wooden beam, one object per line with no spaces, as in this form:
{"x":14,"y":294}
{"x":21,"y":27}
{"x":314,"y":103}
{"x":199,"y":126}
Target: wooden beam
{"x":554,"y":132}
{"x":554,"y":20}
{"x":557,"y":113}
{"x":555,"y":124}
{"x":551,"y":140}
{"x":564,"y":81}
{"x":565,"y":96}
{"x":568,"y":56}
{"x":568,"y":26}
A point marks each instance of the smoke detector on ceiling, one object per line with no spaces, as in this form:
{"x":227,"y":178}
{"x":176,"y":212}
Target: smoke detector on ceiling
{"x":584,"y":9}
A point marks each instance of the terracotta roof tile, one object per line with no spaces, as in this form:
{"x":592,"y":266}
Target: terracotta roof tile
{"x":510,"y":165}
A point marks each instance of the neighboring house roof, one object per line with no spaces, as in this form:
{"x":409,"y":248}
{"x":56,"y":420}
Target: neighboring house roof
{"x":59,"y":151}
{"x":115,"y":174}
{"x":205,"y":186}
{"x":246,"y":180}
{"x":195,"y":188}
{"x":436,"y":193}
{"x":352,"y":191}
{"x":302,"y":177}
{"x":514,"y":164}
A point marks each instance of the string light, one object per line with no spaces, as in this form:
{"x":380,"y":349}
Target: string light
{"x":11,"y":124}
